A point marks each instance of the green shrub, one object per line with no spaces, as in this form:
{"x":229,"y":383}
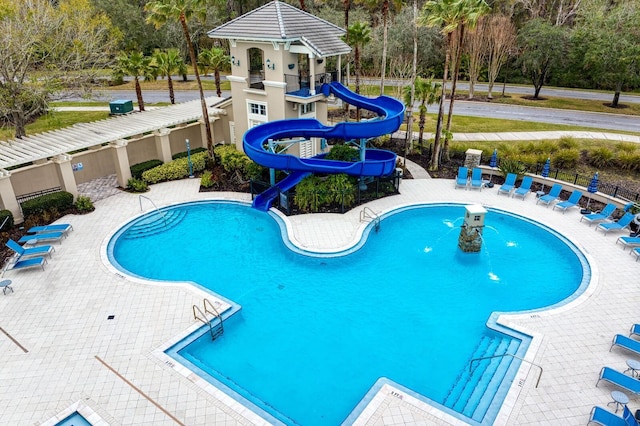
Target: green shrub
{"x":567,"y":142}
{"x":626,"y":146}
{"x":137,"y":185}
{"x":629,"y":161}
{"x":231,"y":159}
{"x":56,"y":201}
{"x":176,"y":169}
{"x":138,"y":169}
{"x":84,"y":204}
{"x":185,"y":154}
{"x":343,"y":152}
{"x":8,"y":216}
{"x":547,"y":147}
{"x":508,"y":165}
{"x":341,"y":189}
{"x":206,"y":180}
{"x":310,"y":194}
{"x":600,"y":157}
{"x":566,"y":158}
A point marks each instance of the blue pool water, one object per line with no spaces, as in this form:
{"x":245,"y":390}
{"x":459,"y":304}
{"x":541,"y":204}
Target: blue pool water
{"x":315,"y":333}
{"x":75,"y":419}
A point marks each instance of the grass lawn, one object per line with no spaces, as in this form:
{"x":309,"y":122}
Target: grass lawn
{"x":55,"y":120}
{"x":178,"y":84}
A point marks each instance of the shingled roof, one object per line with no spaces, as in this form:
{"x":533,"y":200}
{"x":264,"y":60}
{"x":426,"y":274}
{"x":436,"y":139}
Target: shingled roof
{"x":281,"y":22}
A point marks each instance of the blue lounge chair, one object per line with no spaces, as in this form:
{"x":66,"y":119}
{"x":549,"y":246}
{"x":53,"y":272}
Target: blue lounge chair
{"x":628,"y":383}
{"x":524,"y":188}
{"x":476,"y":178}
{"x":635,"y":330}
{"x":621,"y":224}
{"x":605,"y":417}
{"x":507,"y":186}
{"x":628,"y":242}
{"x":625,"y":342}
{"x":603,"y":215}
{"x":28,"y":263}
{"x":461,"y":180}
{"x":25,"y":253}
{"x":573,"y":200}
{"x":56,"y":227}
{"x":553,"y":195}
{"x":636,"y":251}
{"x":37,"y":238}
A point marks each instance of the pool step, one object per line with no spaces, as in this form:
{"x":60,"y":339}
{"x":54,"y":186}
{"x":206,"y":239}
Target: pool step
{"x":156,"y":222}
{"x":475,"y":387}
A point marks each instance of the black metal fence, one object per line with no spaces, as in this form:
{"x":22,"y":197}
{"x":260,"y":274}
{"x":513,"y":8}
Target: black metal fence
{"x":30,"y":196}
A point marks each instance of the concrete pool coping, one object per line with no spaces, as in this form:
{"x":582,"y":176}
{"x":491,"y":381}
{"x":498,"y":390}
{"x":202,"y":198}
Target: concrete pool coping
{"x":60,"y":317}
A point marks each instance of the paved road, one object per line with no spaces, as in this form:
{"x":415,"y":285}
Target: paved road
{"x":464,"y":108}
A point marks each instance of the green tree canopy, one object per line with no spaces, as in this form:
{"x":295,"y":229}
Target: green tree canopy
{"x":45,"y":49}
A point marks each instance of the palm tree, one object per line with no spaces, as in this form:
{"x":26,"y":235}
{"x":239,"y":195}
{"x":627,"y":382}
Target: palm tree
{"x":426,"y":91}
{"x":414,"y":71}
{"x":168,"y":63}
{"x":359,"y":35}
{"x":470,"y":11}
{"x":161,"y":11}
{"x":138,"y":66}
{"x":386,"y":6}
{"x":444,"y":14}
{"x":214,"y":58}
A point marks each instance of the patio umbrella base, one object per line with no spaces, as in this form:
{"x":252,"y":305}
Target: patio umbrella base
{"x":585,"y":211}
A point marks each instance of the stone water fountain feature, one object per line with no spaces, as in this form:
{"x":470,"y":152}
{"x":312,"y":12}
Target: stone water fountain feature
{"x":470,"y":238}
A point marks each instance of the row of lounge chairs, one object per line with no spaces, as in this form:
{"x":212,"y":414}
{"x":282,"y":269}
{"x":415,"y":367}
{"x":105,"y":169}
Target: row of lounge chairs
{"x":525,"y":188}
{"x":627,"y":382}
{"x":463,"y":180}
{"x":35,"y":256}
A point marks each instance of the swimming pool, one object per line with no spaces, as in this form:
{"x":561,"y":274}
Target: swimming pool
{"x":315,"y":333}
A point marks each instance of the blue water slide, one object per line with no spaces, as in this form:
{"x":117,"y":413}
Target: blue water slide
{"x":376,"y":162}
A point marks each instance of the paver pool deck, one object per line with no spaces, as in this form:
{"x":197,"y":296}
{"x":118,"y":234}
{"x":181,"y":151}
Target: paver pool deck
{"x":60,"y":352}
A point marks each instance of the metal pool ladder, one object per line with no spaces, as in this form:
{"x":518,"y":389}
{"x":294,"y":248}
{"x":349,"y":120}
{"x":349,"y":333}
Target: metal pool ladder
{"x":367,"y":213}
{"x":216,"y":329}
{"x":164,"y":217}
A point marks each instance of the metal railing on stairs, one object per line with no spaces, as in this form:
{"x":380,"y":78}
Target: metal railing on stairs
{"x":512,"y":356}
{"x":140,"y":197}
{"x":215,"y":330}
{"x":367,"y":213}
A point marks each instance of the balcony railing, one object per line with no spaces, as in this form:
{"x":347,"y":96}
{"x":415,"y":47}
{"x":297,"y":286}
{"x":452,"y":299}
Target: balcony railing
{"x":298,"y":85}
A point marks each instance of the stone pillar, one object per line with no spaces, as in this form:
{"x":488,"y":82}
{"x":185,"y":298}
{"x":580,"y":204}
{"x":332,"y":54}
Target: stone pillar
{"x":8,"y":197}
{"x":163,"y":146}
{"x":470,"y":238}
{"x":472,"y":158}
{"x":121,"y":161}
{"x":65,"y":174}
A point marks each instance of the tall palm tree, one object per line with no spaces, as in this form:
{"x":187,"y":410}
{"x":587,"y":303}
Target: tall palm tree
{"x":138,"y":66}
{"x":216,"y":59}
{"x":359,"y":35}
{"x":426,"y":92}
{"x":470,"y":12}
{"x":414,"y":71}
{"x":168,"y":63}
{"x":387,"y":5}
{"x":443,"y":14}
{"x":161,"y":11}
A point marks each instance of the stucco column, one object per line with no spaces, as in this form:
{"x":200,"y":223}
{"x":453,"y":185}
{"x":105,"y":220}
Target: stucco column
{"x":312,"y":77}
{"x":65,"y":174}
{"x":8,"y":196}
{"x":121,"y":161}
{"x":163,"y":146}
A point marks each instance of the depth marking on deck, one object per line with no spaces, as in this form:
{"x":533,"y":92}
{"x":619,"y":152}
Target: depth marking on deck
{"x":147,"y":397}
{"x":14,"y":340}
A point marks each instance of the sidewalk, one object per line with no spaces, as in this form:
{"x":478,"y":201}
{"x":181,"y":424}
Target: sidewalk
{"x":529,"y":136}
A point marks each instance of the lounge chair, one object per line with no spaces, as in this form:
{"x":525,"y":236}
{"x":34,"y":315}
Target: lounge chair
{"x":628,"y":242}
{"x":625,"y":342}
{"x":25,"y":253}
{"x":524,"y":188}
{"x":573,"y":200}
{"x":603,"y":215}
{"x":553,"y":195}
{"x":476,"y":179}
{"x":461,"y":179}
{"x":636,"y":251}
{"x":605,"y":417}
{"x":628,"y":383}
{"x":635,"y":330}
{"x":621,"y":224}
{"x":28,"y":263}
{"x":56,"y":227}
{"x":37,"y":238}
{"x":509,"y":181}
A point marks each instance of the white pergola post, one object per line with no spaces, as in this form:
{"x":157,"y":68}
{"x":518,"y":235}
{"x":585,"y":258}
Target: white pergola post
{"x":8,"y":196}
{"x":121,"y":161}
{"x":163,"y":145}
{"x":65,"y":174}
